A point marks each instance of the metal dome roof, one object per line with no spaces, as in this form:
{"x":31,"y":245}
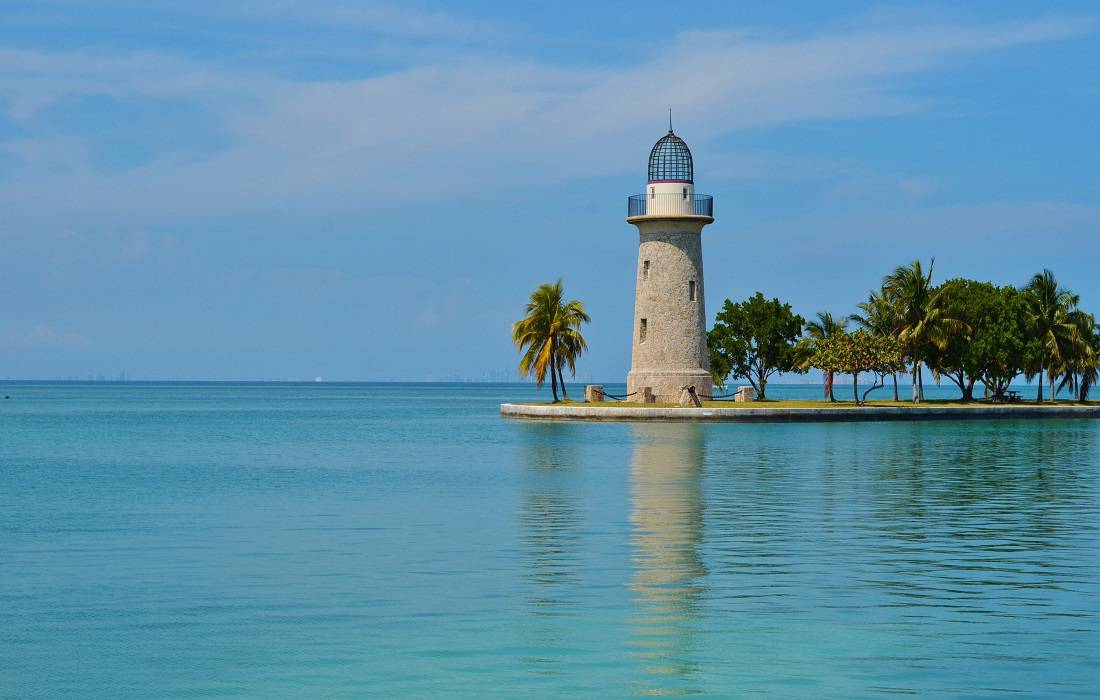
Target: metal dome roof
{"x":670,"y":160}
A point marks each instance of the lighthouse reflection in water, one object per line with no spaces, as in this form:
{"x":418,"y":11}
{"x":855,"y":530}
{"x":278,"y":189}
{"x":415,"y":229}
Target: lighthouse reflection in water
{"x":667,"y":530}
{"x":612,"y":566}
{"x":818,"y":560}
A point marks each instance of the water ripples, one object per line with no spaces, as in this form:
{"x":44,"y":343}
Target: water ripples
{"x":284,"y":542}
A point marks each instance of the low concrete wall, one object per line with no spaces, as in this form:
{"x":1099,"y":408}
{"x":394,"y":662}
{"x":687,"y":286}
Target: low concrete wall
{"x":781,"y":415}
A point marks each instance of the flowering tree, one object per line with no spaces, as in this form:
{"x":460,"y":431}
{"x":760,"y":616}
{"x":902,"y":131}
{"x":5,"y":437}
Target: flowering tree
{"x":853,"y":353}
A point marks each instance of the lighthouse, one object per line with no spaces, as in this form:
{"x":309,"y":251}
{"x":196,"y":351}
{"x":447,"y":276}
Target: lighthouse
{"x":670,"y":327}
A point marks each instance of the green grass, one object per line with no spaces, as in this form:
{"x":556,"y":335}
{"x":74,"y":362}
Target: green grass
{"x":772,"y":403}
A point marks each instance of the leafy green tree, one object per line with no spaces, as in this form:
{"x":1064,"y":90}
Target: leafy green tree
{"x":1000,"y":344}
{"x":549,"y":337}
{"x":825,"y":326}
{"x":754,"y":339}
{"x":879,"y":317}
{"x":855,"y":353}
{"x":922,"y":323}
{"x":1051,"y":313}
{"x":720,"y":363}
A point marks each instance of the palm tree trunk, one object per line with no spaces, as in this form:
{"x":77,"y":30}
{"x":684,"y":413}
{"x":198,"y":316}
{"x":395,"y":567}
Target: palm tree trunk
{"x":1052,"y":385}
{"x":855,"y":386}
{"x":553,"y":366}
{"x":915,"y":398}
{"x":896,"y":387}
{"x":561,"y":378}
{"x":829,"y":385}
{"x":1039,"y":396}
{"x":920,"y":381}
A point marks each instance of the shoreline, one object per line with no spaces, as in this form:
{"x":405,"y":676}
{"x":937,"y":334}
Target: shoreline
{"x":588,"y":412}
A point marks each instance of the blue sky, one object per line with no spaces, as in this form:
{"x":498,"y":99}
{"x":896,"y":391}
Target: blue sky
{"x":283,"y":190}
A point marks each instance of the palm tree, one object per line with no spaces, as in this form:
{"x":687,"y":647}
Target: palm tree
{"x":571,"y":344}
{"x":920,"y":320}
{"x":879,"y":317}
{"x":1052,"y":310}
{"x":1090,"y":367}
{"x":1079,"y":367}
{"x":826,"y":326}
{"x":549,"y":335}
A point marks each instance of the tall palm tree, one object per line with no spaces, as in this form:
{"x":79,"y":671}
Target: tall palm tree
{"x":1052,"y":308}
{"x":1080,"y":363}
{"x":549,"y":335}
{"x":878,"y":317}
{"x":921,"y":321}
{"x":571,"y":344}
{"x":826,"y":326}
{"x":1090,"y":367}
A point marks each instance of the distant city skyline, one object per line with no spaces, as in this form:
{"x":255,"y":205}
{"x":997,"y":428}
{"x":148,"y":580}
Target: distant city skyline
{"x":370,"y":191}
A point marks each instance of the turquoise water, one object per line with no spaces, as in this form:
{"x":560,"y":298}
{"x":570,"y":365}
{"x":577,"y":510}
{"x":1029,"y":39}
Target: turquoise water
{"x":350,"y":541}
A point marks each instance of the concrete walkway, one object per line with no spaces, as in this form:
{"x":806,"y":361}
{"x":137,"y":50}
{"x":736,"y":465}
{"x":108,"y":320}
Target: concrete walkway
{"x":590,"y":412}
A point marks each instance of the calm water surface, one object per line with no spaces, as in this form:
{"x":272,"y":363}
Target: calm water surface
{"x":350,"y":541}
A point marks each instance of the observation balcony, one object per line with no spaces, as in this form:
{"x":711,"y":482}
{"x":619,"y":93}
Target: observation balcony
{"x":666,"y":205}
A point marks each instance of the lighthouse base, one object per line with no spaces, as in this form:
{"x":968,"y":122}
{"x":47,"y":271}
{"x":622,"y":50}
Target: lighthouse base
{"x":667,"y":384}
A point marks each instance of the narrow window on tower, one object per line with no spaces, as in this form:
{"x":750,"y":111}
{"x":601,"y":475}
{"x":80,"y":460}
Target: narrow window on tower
{"x":652,"y":192}
{"x":691,"y":290}
{"x":645,"y":270}
{"x":641,"y":331}
{"x":685,"y":193}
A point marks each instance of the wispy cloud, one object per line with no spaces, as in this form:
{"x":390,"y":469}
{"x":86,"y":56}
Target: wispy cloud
{"x":361,"y":143}
{"x":389,"y":19}
{"x":42,"y":337}
{"x":994,"y":227}
{"x":140,"y":245}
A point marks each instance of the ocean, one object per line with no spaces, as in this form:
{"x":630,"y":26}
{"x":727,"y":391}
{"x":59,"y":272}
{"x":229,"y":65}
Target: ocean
{"x":208,"y":540}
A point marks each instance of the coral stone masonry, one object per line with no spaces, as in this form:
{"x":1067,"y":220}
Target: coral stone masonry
{"x":670,"y":328}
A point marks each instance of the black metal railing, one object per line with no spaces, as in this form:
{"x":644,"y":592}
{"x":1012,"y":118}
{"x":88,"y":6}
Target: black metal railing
{"x":670,"y":204}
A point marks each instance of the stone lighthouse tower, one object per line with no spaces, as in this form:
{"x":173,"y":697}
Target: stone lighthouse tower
{"x":670,"y":327}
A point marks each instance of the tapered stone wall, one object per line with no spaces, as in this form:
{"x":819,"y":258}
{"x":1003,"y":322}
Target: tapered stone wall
{"x":670,"y":342}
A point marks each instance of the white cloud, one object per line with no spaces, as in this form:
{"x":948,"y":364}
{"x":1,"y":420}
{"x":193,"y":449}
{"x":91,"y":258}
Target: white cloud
{"x":359,"y":144}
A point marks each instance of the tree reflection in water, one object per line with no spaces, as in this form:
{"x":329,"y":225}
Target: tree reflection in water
{"x":550,"y":523}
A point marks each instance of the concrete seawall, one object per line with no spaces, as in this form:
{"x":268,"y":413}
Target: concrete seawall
{"x":583,"y":412}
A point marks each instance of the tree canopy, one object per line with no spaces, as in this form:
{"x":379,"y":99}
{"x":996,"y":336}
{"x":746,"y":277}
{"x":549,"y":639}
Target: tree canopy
{"x":754,"y":339}
{"x":967,"y":331}
{"x":859,"y":352}
{"x":1055,"y":325}
{"x":1000,"y":345}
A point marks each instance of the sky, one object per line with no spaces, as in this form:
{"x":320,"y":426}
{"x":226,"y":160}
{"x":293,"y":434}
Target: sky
{"x":284,"y":190}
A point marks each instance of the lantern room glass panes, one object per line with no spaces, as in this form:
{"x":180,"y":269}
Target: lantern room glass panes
{"x":670,"y":160}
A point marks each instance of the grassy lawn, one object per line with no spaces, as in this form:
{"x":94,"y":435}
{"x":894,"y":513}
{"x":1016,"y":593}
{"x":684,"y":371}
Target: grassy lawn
{"x":770,"y":403}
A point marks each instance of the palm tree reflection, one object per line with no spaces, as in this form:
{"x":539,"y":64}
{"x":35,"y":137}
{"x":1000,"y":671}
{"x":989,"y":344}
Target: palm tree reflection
{"x":550,"y":525}
{"x":667,"y":529}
